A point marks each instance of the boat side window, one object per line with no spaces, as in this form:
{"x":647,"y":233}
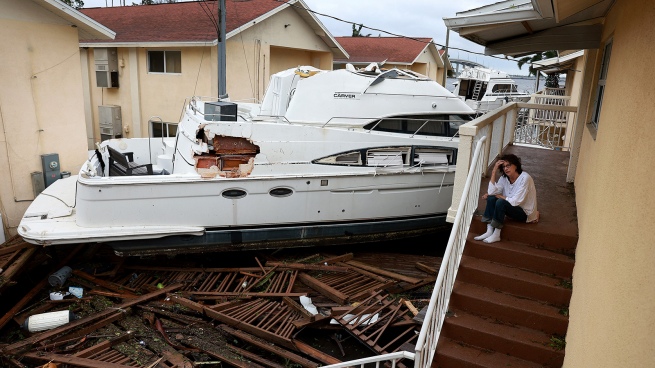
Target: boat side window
{"x":436,"y":125}
{"x":503,"y":88}
{"x":456,"y":121}
{"x":428,"y":156}
{"x":347,"y":159}
{"x":390,"y":156}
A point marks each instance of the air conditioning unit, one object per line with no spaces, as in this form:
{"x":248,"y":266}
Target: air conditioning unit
{"x":106,"y":62}
{"x":110,"y":122}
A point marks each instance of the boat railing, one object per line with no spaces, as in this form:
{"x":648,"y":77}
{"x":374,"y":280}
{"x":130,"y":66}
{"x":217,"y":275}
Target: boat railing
{"x":388,"y":360}
{"x":426,"y":345}
{"x":513,"y":123}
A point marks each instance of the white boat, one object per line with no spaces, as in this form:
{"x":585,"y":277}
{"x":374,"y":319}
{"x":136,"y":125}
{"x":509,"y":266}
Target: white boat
{"x":329,"y":157}
{"x":486,"y":89}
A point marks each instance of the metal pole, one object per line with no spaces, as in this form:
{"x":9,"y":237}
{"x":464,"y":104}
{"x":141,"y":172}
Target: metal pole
{"x":445,"y":54}
{"x":222,"y":90}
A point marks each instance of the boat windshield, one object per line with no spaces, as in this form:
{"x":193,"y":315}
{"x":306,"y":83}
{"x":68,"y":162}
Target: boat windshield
{"x":444,"y":125}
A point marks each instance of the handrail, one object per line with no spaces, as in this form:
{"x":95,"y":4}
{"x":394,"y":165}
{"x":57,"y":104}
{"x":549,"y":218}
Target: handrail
{"x":426,"y":344}
{"x":393,"y":357}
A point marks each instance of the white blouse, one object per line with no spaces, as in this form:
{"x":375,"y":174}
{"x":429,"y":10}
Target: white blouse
{"x":521,"y":193}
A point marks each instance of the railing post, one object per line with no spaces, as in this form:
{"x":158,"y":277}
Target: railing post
{"x":501,"y":141}
{"x":463,"y":163}
{"x":487,"y":148}
{"x":511,"y":115}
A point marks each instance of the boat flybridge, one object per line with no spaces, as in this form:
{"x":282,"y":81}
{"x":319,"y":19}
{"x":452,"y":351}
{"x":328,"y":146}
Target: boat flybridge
{"x":329,"y":157}
{"x":486,"y":89}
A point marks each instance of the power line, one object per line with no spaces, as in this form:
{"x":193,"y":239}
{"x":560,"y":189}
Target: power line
{"x":506,"y":58}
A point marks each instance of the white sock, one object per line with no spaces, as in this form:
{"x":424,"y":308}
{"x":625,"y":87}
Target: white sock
{"x":494,"y":237}
{"x":490,"y":230}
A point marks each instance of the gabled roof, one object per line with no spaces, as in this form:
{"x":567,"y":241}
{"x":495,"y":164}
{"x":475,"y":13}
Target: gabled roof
{"x":86,"y":26}
{"x":518,"y":27}
{"x":191,"y":23}
{"x":393,"y":50}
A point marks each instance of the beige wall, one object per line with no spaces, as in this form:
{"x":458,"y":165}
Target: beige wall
{"x":612,"y":311}
{"x":269,"y":47}
{"x":573,"y":88}
{"x":41,"y":103}
{"x":252,"y":56}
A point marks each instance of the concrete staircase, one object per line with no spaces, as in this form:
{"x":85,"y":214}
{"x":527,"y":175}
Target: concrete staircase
{"x":510,"y":298}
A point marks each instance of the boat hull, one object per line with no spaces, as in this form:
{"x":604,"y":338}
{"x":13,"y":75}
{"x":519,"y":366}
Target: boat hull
{"x":297,"y":235}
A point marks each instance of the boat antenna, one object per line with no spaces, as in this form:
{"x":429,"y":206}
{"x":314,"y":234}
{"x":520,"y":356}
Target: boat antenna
{"x":220,"y":48}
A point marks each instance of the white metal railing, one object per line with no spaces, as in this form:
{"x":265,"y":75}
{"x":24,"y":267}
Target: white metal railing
{"x":508,"y":124}
{"x":426,"y":344}
{"x":393,"y":358}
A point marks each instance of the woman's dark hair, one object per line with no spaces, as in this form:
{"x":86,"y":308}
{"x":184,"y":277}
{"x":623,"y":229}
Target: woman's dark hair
{"x":514,"y":160}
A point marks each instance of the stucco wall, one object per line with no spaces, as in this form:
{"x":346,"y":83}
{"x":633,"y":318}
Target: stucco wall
{"x":266,"y":47}
{"x":612,"y":311}
{"x":41,"y":103}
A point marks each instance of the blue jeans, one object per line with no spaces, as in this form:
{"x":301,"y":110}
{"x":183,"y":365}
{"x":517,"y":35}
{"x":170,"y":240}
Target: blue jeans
{"x":496,"y":210}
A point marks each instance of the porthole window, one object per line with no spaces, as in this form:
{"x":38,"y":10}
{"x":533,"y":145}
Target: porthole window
{"x":234,"y":193}
{"x":281,"y":192}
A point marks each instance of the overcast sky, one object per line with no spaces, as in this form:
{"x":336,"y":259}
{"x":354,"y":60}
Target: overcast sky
{"x":414,"y":18}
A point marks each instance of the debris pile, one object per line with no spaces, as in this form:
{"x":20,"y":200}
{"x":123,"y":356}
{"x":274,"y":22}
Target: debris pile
{"x":316,"y":310}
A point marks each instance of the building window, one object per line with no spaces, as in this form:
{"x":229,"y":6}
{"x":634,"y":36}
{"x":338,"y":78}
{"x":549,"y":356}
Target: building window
{"x":602,"y":78}
{"x":165,"y":62}
{"x":159,"y":129}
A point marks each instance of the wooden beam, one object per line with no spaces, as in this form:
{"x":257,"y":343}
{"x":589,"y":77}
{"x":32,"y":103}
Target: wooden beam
{"x":425,"y":268}
{"x":341,"y":258}
{"x":527,"y":27}
{"x":379,"y":271}
{"x":307,"y":267}
{"x":319,"y":355}
{"x":73,"y":360}
{"x":105,"y":284}
{"x":324,"y":289}
{"x":265,"y":345}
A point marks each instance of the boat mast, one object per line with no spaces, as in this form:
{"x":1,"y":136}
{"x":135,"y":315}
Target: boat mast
{"x":220,"y":48}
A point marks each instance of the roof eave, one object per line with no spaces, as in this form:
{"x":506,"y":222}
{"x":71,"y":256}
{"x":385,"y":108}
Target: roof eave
{"x":77,"y":19}
{"x":149,"y":44}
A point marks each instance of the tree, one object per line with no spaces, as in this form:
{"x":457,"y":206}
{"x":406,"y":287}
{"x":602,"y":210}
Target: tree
{"x":552,"y":81}
{"x":357,"y":31}
{"x":531,"y":59}
{"x":77,"y":4}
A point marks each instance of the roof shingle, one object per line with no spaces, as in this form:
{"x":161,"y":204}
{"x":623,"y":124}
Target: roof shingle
{"x":176,"y":22}
{"x":378,"y":49}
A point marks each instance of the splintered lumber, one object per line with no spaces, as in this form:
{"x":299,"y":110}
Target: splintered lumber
{"x":397,"y":289}
{"x":409,"y":306}
{"x":254,"y":357}
{"x":224,"y":356}
{"x":264,"y":318}
{"x":28,"y":342}
{"x":307,"y":267}
{"x":16,"y":266}
{"x":337,"y":259}
{"x":217,"y":295}
{"x":13,"y":248}
{"x":105,"y":284}
{"x":379,"y":271}
{"x":425,"y":268}
{"x":73,"y":360}
{"x":330,"y":292}
{"x":321,"y":356}
{"x":265,"y":345}
{"x":117,"y":315}
{"x":36,"y":289}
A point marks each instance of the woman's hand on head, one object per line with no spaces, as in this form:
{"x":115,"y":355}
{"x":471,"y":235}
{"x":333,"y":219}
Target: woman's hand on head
{"x":498,"y":164}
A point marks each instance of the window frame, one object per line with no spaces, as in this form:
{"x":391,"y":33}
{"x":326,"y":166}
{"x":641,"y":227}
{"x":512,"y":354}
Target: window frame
{"x":601,"y":85}
{"x":163,"y":124}
{"x":164,"y":61}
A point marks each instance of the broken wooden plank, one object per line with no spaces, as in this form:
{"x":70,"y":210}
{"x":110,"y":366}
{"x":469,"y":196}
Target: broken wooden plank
{"x":16,"y":266}
{"x":337,"y":259}
{"x":397,"y":289}
{"x":206,"y":295}
{"x":379,"y":271}
{"x":105,"y":284}
{"x":13,"y":248}
{"x":319,"y":355}
{"x":409,"y":306}
{"x":425,"y":268}
{"x":117,"y":315}
{"x":26,"y":343}
{"x":234,"y":361}
{"x":73,"y":360}
{"x":307,"y":267}
{"x":324,"y":289}
{"x":265,"y":345}
{"x":254,"y":357}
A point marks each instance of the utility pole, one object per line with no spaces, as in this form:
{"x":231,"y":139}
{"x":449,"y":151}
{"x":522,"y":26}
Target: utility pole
{"x":445,"y":54}
{"x":220,"y":49}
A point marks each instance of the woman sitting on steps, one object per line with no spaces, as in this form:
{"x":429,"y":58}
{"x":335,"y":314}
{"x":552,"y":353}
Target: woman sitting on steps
{"x":513,"y":194}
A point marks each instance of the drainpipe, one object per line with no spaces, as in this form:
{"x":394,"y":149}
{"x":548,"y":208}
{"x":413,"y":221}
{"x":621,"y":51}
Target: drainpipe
{"x":220,"y":48}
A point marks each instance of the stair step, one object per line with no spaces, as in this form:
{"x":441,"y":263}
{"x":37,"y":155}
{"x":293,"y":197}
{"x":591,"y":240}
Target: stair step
{"x":517,"y":341}
{"x":455,"y":354}
{"x":521,"y":255}
{"x":508,"y":308}
{"x":513,"y":281}
{"x":530,"y":234}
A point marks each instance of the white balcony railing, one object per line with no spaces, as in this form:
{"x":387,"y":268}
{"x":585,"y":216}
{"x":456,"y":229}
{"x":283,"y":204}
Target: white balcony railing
{"x":426,"y":344}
